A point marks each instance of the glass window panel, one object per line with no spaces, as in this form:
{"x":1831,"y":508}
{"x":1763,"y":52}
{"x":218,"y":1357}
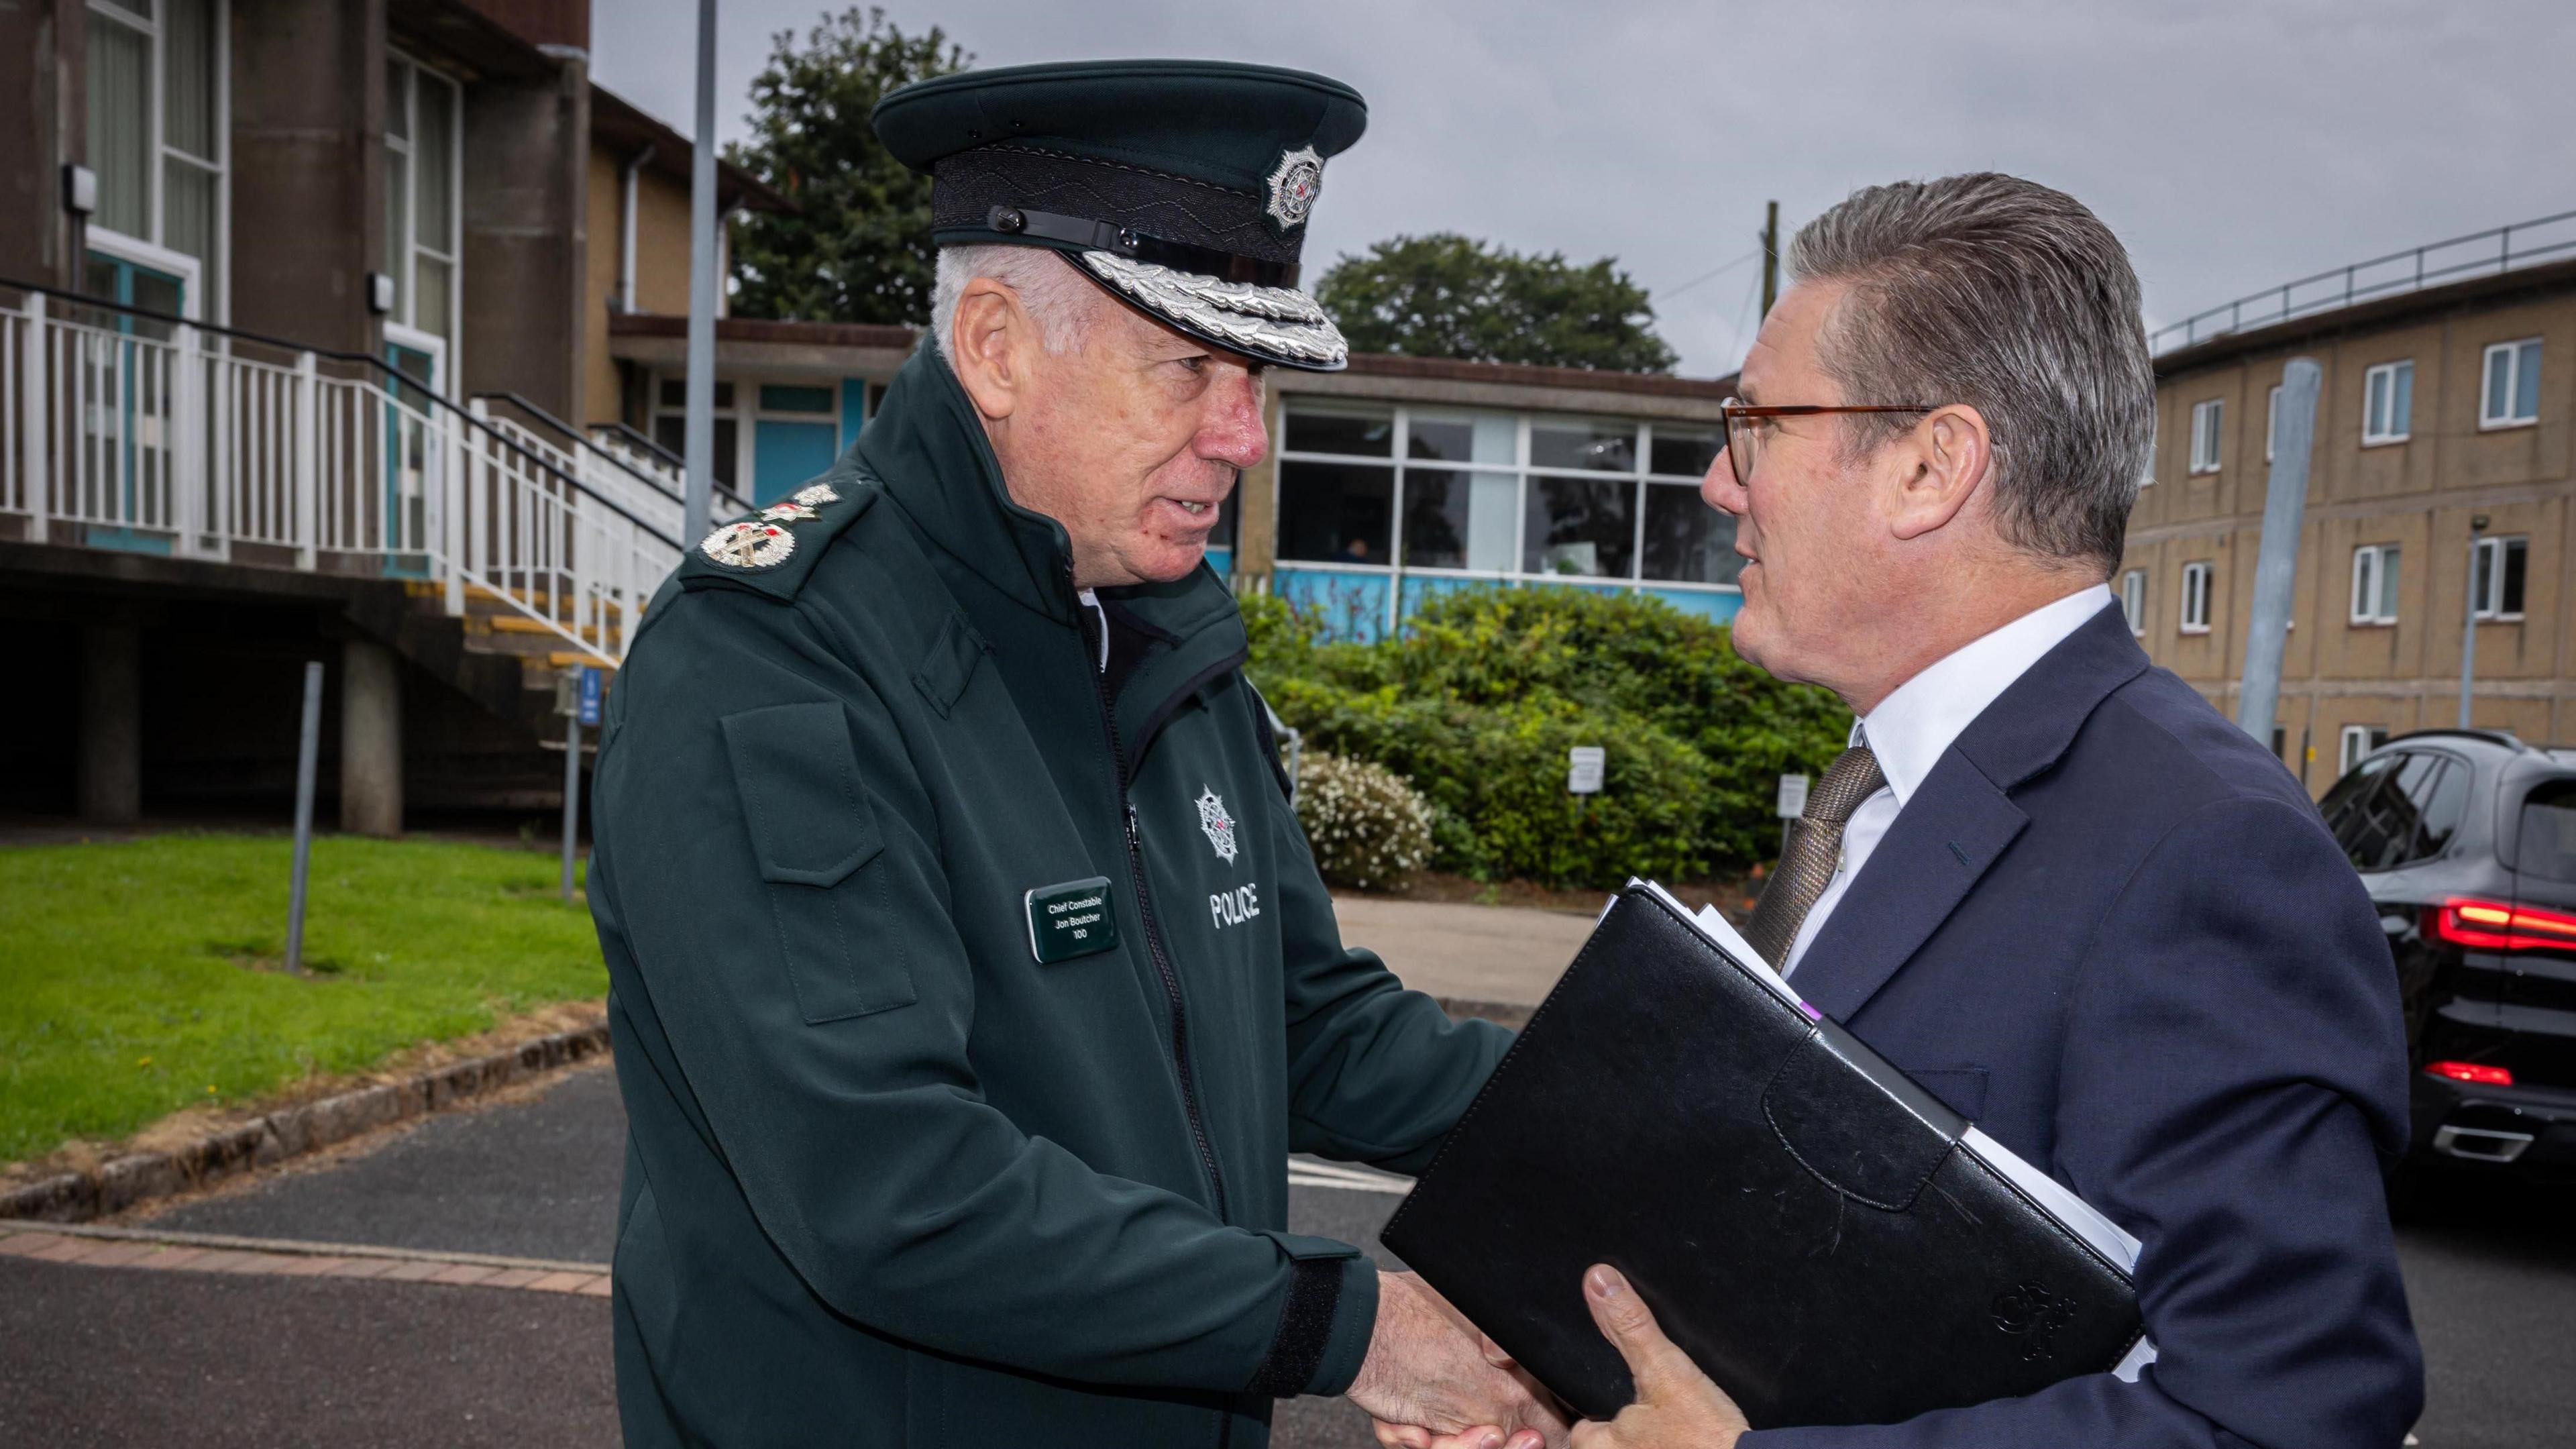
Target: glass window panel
{"x":2401,"y":412}
{"x":2342,"y":806}
{"x":1686,"y":540}
{"x":672,"y":431}
{"x":2375,"y":410}
{"x":2526,"y":382}
{"x":2388,"y":583}
{"x":1580,"y":527}
{"x":780,"y":398}
{"x":1336,"y":512}
{"x":432,"y":284}
{"x":1682,"y":452}
{"x":2516,"y":556}
{"x":675,"y":393}
{"x":1439,"y":505}
{"x":1450,"y":442}
{"x":398,"y":228}
{"x":120,"y":125}
{"x":434,"y":162}
{"x":2548,"y":846}
{"x":188,"y":192}
{"x":2444,"y":804}
{"x":188,"y":76}
{"x":2499,"y":383}
{"x":1600,"y":447}
{"x":397,"y":100}
{"x":1366,"y":435}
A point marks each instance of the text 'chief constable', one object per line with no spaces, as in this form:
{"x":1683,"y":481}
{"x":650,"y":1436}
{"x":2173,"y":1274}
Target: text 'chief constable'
{"x":970,"y":977}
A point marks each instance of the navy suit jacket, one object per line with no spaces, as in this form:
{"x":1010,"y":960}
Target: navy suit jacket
{"x":2111,"y":929}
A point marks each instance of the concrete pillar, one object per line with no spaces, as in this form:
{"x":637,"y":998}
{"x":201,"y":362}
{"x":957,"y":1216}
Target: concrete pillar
{"x":110,"y":772}
{"x":371,"y":799}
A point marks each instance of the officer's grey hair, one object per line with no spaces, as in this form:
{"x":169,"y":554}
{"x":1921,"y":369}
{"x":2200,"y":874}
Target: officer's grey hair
{"x":2014,"y":299}
{"x":1061,"y":299}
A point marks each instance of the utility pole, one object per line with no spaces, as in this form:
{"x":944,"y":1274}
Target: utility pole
{"x":2285,"y":501}
{"x":1770,"y":259}
{"x":2469,"y":624}
{"x":699,"y":441}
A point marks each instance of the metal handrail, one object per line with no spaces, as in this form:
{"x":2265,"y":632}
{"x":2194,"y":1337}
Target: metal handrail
{"x":407,"y":382}
{"x":584,"y":440}
{"x":654,"y":448}
{"x":2503,"y":261}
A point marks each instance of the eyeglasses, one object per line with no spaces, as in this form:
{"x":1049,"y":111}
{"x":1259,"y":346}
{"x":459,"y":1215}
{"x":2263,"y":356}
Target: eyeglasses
{"x":1744,"y":440}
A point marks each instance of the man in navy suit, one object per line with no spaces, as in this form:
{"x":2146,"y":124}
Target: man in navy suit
{"x":2048,"y":879}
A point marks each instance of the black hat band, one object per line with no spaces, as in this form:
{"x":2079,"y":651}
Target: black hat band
{"x":1127,"y":242}
{"x":1169,"y":207}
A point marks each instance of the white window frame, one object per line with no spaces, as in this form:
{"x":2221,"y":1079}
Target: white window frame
{"x":149,"y":250}
{"x":2371,"y":434}
{"x":2195,"y":596}
{"x":2133,"y":600}
{"x":2353,"y":744}
{"x":2208,"y":418}
{"x":2371,"y":568}
{"x":2491,"y":554}
{"x":2488,"y":418}
{"x":403,"y":323}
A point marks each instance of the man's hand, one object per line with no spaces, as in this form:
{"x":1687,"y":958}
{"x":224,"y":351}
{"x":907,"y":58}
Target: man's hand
{"x":1427,"y":1369}
{"x":1677,"y":1407}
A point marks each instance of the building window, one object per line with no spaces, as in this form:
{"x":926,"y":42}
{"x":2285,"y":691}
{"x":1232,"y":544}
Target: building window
{"x":424,"y":122}
{"x":2512,"y":392}
{"x":2133,"y":600}
{"x":2374,"y":584}
{"x":2195,"y":598}
{"x":2206,"y":419}
{"x":1500,"y":495}
{"x":157,"y":138}
{"x":2388,"y":403}
{"x":2499,"y":582}
{"x":2271,"y":422}
{"x":671,"y":426}
{"x":2356,"y":742}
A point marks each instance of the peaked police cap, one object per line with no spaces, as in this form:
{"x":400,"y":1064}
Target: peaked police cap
{"x":1182,"y":187}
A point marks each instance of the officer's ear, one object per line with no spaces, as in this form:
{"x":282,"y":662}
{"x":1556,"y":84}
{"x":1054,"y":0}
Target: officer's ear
{"x":992,"y":346}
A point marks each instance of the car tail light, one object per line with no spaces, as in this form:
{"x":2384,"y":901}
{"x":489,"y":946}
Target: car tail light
{"x":2490,"y":926}
{"x":2482,"y":1075}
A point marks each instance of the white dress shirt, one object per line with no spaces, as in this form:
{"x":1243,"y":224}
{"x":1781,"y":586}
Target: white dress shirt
{"x":1914,"y":727}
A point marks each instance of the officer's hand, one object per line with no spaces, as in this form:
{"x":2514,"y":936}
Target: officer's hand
{"x":1428,"y":1374}
{"x":1677,"y":1406}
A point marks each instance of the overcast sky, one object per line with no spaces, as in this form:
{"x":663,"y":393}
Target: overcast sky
{"x":2233,"y":144}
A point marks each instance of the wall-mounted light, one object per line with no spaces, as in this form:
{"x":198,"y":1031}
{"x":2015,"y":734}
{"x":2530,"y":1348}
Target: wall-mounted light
{"x":80,"y":190}
{"x":380,"y":294}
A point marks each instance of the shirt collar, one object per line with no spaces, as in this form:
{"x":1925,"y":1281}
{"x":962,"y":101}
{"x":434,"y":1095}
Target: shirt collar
{"x":1914,"y":726}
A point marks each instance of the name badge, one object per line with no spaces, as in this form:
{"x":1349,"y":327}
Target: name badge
{"x":1072,"y":919}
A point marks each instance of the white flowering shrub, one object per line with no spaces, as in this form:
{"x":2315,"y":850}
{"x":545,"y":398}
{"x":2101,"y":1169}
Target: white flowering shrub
{"x":1366,"y":825}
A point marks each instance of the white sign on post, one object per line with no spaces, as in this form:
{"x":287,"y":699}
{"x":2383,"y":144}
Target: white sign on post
{"x":1793,"y":797}
{"x":1584,"y":765}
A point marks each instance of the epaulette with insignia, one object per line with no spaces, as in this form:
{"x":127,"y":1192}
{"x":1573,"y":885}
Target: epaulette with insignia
{"x":774,"y":551}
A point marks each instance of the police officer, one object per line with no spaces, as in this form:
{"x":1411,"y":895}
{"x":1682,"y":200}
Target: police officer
{"x":970,"y":977}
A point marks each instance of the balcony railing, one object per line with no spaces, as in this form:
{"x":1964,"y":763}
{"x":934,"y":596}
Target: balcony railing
{"x":125,"y":428}
{"x":2499,"y":249}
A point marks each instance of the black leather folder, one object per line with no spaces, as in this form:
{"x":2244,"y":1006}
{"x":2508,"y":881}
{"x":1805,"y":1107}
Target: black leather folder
{"x":1826,"y":1238}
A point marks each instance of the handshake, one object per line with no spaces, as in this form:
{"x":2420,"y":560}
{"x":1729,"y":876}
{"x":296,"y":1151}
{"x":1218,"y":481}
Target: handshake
{"x":1433,"y":1381}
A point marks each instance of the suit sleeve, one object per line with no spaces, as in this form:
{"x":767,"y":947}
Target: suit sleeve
{"x":2233,"y":1067}
{"x":768,"y":863}
{"x":1376,"y":1073}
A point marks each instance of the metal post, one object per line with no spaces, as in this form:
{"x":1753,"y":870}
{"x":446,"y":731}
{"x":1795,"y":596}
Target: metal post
{"x":572,"y":796}
{"x":32,"y":380}
{"x":307,"y":751}
{"x":700,"y":442}
{"x":2469,"y":623}
{"x":2276,"y":566}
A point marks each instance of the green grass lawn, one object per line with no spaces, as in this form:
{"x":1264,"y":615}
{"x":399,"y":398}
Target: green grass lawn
{"x":136,"y":979}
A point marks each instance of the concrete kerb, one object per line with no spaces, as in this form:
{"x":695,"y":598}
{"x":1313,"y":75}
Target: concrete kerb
{"x":122,"y":1182}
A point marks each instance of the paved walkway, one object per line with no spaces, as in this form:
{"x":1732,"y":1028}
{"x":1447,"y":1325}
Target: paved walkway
{"x":1504,"y":954}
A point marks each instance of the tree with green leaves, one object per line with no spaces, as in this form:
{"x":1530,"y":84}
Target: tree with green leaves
{"x":857,"y":248}
{"x":1446,"y":295}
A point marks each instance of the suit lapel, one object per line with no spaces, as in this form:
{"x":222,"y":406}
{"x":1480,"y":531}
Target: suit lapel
{"x":1962,"y":818}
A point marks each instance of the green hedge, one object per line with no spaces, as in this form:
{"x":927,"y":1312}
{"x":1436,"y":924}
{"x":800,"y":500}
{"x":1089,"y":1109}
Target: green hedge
{"x":1479,"y":699}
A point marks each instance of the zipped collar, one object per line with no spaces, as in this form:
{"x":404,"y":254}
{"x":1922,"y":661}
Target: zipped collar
{"x":927,"y":448}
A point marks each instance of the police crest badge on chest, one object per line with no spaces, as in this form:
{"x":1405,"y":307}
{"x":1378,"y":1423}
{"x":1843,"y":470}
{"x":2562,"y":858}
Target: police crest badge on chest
{"x":1218,"y":825}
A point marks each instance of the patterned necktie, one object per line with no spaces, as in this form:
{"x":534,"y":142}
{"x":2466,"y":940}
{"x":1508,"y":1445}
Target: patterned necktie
{"x":1815,"y":849}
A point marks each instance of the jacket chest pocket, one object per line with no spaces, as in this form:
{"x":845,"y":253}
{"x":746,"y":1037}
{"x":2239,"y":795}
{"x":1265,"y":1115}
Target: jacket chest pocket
{"x":815,"y":838}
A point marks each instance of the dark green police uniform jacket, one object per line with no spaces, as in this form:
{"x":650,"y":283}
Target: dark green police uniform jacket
{"x":967,"y":1001}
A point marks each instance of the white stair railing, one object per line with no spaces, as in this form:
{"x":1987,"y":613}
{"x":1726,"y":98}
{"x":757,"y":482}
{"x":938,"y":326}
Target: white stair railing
{"x":124,"y":429}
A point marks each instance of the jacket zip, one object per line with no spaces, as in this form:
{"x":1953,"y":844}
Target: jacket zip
{"x":1153,"y":933}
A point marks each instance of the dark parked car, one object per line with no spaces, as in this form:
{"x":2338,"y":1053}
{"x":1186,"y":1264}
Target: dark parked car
{"x":2467,"y":842}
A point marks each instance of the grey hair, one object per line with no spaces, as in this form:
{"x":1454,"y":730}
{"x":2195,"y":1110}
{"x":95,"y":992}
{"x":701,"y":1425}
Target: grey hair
{"x":1061,"y":299}
{"x":2012,"y":298}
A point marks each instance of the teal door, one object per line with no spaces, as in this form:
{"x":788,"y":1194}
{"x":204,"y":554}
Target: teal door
{"x":117,"y":457}
{"x":407,"y":461}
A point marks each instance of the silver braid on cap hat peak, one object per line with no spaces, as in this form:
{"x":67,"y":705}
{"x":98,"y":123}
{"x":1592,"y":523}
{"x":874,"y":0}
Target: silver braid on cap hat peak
{"x":1260,"y":320}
